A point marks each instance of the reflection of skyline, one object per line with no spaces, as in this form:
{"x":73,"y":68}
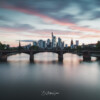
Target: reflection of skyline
{"x":71,"y":60}
{"x":26,"y":79}
{"x":35,"y":19}
{"x":47,"y":58}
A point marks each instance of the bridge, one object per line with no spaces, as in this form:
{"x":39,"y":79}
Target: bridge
{"x":86,"y":54}
{"x":6,"y":53}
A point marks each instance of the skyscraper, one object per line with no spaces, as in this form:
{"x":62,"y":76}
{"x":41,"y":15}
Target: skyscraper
{"x":48,"y":42}
{"x":40,"y":43}
{"x":72,"y":45}
{"x":60,"y":43}
{"x":34,"y":43}
{"x":52,"y":35}
{"x":77,"y":42}
{"x":71,"y":42}
{"x":53,"y":41}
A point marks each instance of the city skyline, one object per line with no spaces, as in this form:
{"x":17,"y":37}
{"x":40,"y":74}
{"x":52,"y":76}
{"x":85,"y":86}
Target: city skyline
{"x":33,"y":20}
{"x":50,"y":43}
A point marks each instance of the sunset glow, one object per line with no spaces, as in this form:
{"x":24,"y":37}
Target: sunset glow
{"x":34,"y":20}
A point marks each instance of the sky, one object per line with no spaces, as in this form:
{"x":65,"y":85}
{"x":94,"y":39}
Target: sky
{"x":36,"y":19}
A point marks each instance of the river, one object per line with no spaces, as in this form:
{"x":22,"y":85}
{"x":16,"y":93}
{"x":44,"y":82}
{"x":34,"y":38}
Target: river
{"x":73,"y":79}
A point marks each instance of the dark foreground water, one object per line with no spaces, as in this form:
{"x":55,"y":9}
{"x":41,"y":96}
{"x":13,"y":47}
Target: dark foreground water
{"x":46,"y":78}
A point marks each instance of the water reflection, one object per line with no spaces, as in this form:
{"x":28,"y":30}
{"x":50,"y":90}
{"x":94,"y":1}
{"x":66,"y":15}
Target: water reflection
{"x":47,"y":73}
{"x":46,"y":62}
{"x":72,"y":69}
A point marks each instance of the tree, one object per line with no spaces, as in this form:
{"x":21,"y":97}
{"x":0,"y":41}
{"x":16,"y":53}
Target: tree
{"x":2,"y":46}
{"x":98,"y":45}
{"x":34,"y":47}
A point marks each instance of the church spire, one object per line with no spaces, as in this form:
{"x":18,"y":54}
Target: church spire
{"x":19,"y":44}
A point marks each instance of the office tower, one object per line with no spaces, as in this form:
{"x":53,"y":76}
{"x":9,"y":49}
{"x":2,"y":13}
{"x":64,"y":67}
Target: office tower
{"x":77,"y":42}
{"x":28,"y":46}
{"x":72,"y":45}
{"x":53,"y":41}
{"x":44,"y":44}
{"x":66,"y":45}
{"x":34,"y":43}
{"x":48,"y":42}
{"x":40,"y":44}
{"x":71,"y":42}
{"x":62,"y":45}
{"x":59,"y":42}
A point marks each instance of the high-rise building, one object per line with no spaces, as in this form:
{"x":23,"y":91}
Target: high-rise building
{"x":53,"y":41}
{"x":66,"y":45}
{"x":40,"y":43}
{"x":27,"y":46}
{"x":34,"y":43}
{"x":62,"y":45}
{"x":48,"y":42}
{"x":71,"y":42}
{"x":77,"y":42}
{"x":59,"y":42}
{"x":44,"y":44}
{"x":72,"y":45}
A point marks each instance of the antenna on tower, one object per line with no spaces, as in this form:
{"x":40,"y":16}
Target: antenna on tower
{"x":52,"y":34}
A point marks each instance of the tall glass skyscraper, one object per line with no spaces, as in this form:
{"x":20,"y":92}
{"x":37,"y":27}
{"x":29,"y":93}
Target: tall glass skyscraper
{"x":53,"y":41}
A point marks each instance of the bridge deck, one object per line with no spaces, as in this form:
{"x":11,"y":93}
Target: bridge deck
{"x":11,"y":52}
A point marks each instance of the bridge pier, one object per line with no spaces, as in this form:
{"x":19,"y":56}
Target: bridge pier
{"x":60,"y":56}
{"x":98,"y":58}
{"x":86,"y":56}
{"x":31,"y":57}
{"x":3,"y":58}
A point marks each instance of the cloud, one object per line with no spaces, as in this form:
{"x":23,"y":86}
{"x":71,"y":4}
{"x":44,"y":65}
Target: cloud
{"x":56,"y":32}
{"x":16,"y":27}
{"x":90,"y":36}
{"x":95,"y":15}
{"x":68,"y":14}
{"x":23,"y":26}
{"x":36,"y":13}
{"x":26,"y":40}
{"x":3,"y":18}
{"x":67,"y":20}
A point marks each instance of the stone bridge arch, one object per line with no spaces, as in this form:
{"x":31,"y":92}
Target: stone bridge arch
{"x":60,"y":54}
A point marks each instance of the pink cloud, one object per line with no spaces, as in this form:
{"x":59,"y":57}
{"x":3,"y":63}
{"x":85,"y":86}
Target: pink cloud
{"x":34,"y":12}
{"x":85,"y":29}
{"x":9,"y":29}
{"x":90,"y":36}
{"x":49,"y":20}
{"x":56,"y":32}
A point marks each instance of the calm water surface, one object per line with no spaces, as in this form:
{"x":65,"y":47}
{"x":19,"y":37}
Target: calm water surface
{"x":73,"y":78}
